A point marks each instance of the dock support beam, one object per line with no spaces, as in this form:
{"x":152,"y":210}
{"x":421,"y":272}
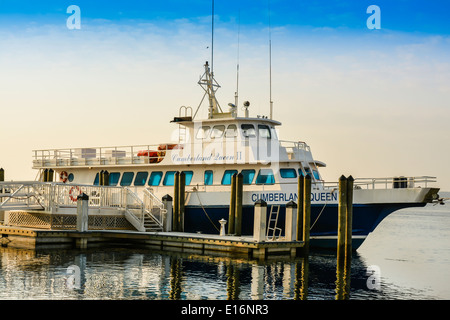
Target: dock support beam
{"x":167,"y":201}
{"x":344,"y":245}
{"x":181,"y":199}
{"x":239,"y":194}
{"x":82,"y":219}
{"x":306,"y":213}
{"x":291,"y":221}
{"x":232,"y":210}
{"x":259,"y":226}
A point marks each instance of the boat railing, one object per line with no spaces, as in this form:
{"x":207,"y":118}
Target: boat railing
{"x":134,"y":154}
{"x":61,"y":197}
{"x":388,"y":182}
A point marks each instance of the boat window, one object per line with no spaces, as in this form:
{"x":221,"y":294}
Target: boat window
{"x":169,"y":178}
{"x":127,"y":178}
{"x":288,"y":173}
{"x":96,"y":179}
{"x":217,"y":132}
{"x":316,"y":174}
{"x":264,"y":131}
{"x":208,"y":177}
{"x":203,"y":132}
{"x":231,"y":131}
{"x":70,"y":177}
{"x":265,"y":176}
{"x":248,"y":130}
{"x":114,"y":178}
{"x":141,"y":178}
{"x":226,"y":179}
{"x":248,"y":176}
{"x":188,"y":177}
{"x":155,"y":178}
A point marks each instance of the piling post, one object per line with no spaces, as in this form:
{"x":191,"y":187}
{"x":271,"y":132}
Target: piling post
{"x":2,"y":174}
{"x":306,"y":213}
{"x":260,"y":221}
{"x":45,"y":175}
{"x":82,"y":219}
{"x":291,"y":221}
{"x":300,"y":191}
{"x":232,"y":210}
{"x":106,"y":178}
{"x":50,"y":175}
{"x":239,"y":194}
{"x":167,"y":201}
{"x":181,"y":199}
{"x":342,"y":213}
{"x":349,"y":222}
{"x":176,"y":202}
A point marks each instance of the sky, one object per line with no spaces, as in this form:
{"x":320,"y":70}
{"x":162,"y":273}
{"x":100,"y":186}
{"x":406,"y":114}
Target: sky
{"x":370,"y":102}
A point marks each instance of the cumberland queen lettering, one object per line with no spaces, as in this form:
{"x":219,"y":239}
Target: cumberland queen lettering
{"x":202,"y":158}
{"x":286,"y":196}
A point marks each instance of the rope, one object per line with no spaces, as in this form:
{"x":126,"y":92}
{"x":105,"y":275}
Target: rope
{"x":332,"y":191}
{"x":196,"y":192}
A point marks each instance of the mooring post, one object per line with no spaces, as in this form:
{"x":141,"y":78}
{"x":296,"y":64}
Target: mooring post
{"x":239,"y":194}
{"x":232,"y":210}
{"x":349,"y":220}
{"x":181,"y":199}
{"x":260,"y":221}
{"x":82,"y":218}
{"x":290,"y":229}
{"x":300,"y":194}
{"x":342,"y":219}
{"x":306,"y":212}
{"x":167,"y":201}
{"x":106,"y":178}
{"x":176,"y":202}
{"x":2,"y":174}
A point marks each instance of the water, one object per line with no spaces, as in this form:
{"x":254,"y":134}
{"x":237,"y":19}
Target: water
{"x":411,"y":249}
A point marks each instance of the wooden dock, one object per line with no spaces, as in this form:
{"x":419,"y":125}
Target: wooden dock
{"x":20,"y":237}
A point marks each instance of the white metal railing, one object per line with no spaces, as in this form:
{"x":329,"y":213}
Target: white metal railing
{"x":387,"y":183}
{"x":51,"y":196}
{"x":151,"y":153}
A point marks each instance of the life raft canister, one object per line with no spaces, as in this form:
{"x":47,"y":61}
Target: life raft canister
{"x":63,"y":176}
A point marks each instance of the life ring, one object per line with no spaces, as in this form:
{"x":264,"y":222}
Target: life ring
{"x":72,"y":195}
{"x":63,"y":176}
{"x":169,"y":146}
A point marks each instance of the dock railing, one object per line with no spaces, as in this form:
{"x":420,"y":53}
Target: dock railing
{"x":55,"y":197}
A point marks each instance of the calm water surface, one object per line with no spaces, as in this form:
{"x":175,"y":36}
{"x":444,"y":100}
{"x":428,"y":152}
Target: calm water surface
{"x":410,"y":248}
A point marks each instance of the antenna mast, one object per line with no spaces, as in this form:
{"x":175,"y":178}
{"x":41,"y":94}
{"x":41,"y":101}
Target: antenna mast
{"x":270,"y":65}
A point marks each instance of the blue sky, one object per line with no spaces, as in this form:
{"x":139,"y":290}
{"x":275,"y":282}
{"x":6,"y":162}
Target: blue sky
{"x":369,"y":102}
{"x":400,"y":15}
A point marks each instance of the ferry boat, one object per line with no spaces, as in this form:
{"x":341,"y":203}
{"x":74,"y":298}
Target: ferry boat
{"x":209,"y":151}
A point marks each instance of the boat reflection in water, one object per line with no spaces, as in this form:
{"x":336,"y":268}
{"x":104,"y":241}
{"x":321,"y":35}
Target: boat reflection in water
{"x":125,"y":273}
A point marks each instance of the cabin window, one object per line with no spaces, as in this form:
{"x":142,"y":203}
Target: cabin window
{"x":288,"y":173}
{"x":217,"y":132}
{"x":70,"y":177}
{"x":231,"y":131}
{"x":248,"y":176}
{"x":169,"y":178}
{"x":316,"y":174}
{"x":127,"y":178}
{"x":188,"y":177}
{"x":226,"y":179}
{"x":208,"y":177}
{"x":203,"y":132}
{"x":114,"y":178}
{"x":265,"y":176}
{"x":141,"y":178}
{"x":248,"y":130}
{"x":155,"y":178}
{"x":96,"y":179}
{"x":264,"y":131}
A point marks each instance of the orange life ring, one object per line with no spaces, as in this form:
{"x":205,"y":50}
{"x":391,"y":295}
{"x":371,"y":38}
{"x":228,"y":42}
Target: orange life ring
{"x":72,"y":195}
{"x":169,"y":146}
{"x":63,"y":176}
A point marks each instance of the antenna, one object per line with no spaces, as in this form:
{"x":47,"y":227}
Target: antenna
{"x":236,"y":94}
{"x":212,"y":39}
{"x":270,"y":64}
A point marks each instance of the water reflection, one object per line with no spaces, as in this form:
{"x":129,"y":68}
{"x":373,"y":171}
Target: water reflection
{"x":125,"y":273}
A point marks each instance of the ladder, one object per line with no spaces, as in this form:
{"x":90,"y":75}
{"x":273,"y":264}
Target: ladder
{"x":272,"y":225}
